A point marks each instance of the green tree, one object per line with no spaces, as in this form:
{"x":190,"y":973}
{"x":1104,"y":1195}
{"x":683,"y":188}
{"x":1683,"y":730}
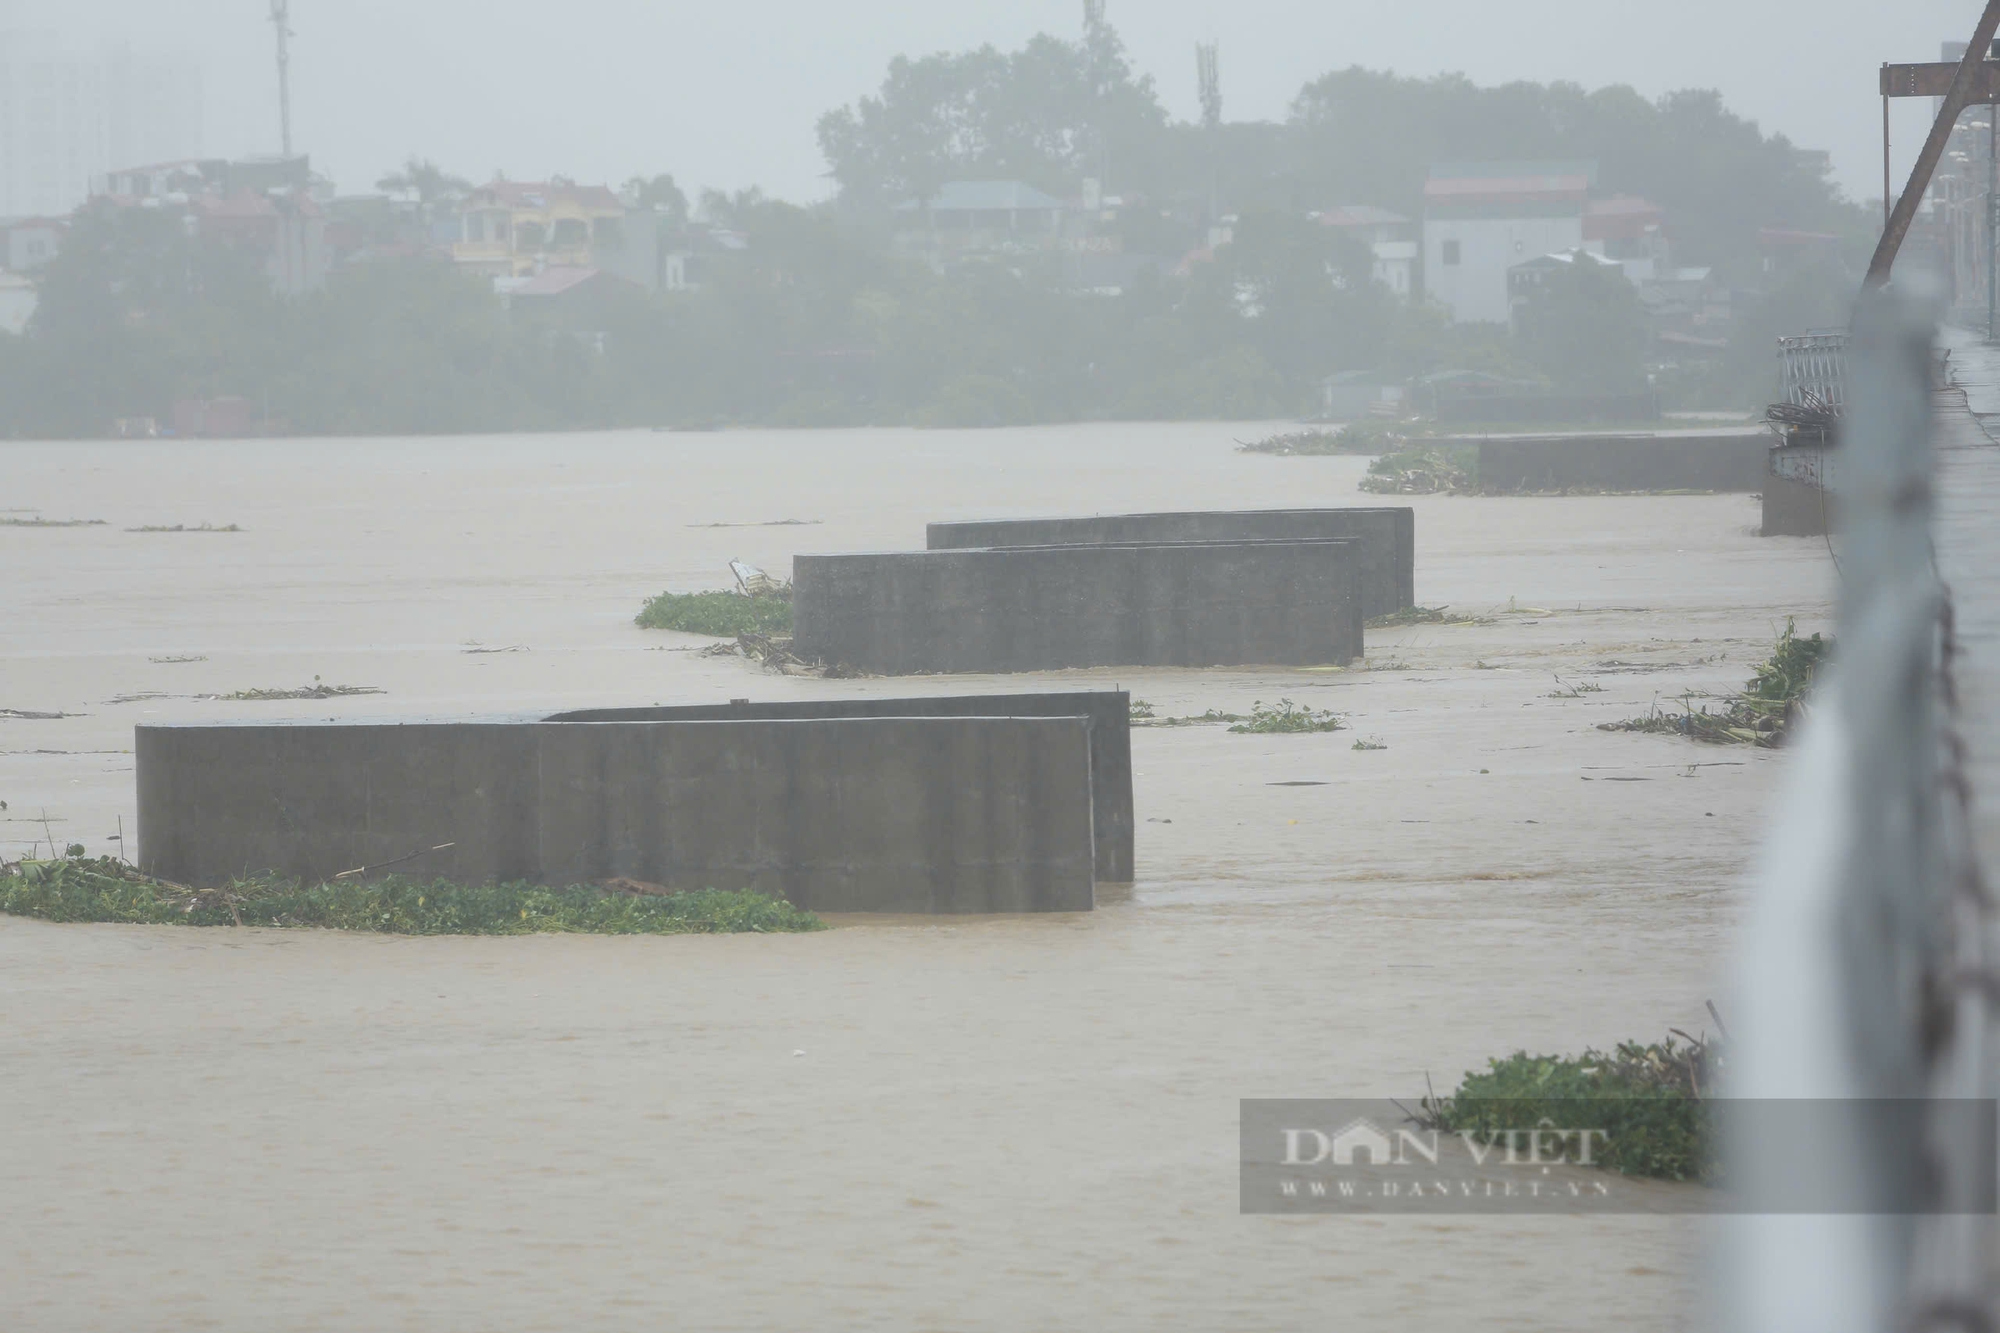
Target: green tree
{"x":1585,"y":329}
{"x":426,"y":182}
{"x":1365,"y":136}
{"x":1304,"y":295}
{"x":660,"y":194}
{"x":1049,"y":114}
{"x":135,"y":312}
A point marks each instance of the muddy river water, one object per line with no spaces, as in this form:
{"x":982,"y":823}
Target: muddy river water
{"x":1003,"y":1124}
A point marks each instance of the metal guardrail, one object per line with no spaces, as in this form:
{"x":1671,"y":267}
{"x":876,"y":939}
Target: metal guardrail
{"x":1814,"y":367}
{"x":1866,"y":971}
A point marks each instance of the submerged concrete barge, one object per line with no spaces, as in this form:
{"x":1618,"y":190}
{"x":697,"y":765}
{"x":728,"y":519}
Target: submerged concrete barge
{"x":1386,"y":537}
{"x":967,"y":804}
{"x":1042,"y":608}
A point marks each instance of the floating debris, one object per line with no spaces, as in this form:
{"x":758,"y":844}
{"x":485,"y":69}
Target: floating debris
{"x":316,"y":690}
{"x":1422,"y":615}
{"x":52,"y":523}
{"x":1287,"y":718}
{"x":768,"y":523}
{"x":182,"y":527}
{"x":1446,"y":470}
{"x":1773,"y":700}
{"x":175,"y":661}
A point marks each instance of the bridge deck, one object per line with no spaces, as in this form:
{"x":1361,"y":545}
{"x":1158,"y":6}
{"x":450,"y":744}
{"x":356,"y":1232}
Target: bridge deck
{"x":1968,"y":554}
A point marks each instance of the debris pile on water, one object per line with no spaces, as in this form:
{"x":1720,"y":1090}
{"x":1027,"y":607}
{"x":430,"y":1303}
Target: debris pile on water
{"x":1771,"y":704}
{"x":1287,"y":717}
{"x":1435,"y":470}
{"x":316,"y":690}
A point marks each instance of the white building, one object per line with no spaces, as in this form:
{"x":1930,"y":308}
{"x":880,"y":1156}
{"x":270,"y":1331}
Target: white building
{"x":1480,"y":220}
{"x":18,"y":299}
{"x":68,"y":115}
{"x":30,"y":243}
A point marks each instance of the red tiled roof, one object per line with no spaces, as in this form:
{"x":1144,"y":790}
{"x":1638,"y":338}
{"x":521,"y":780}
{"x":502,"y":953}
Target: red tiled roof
{"x":1623,"y":215}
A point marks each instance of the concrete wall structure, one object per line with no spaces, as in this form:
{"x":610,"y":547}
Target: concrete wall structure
{"x":1109,"y":713}
{"x":1794,"y":508}
{"x":1041,"y":608}
{"x":1387,"y":537}
{"x":1624,"y":463}
{"x":1798,"y":487}
{"x":902,"y":814}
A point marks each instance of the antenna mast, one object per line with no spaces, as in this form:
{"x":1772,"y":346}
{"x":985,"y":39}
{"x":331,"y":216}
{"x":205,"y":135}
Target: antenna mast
{"x":1207,"y":70}
{"x":1211,"y":85}
{"x":281,"y":17}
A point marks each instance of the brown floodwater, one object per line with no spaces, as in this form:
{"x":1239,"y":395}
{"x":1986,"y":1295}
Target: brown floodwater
{"x":1006,"y":1123}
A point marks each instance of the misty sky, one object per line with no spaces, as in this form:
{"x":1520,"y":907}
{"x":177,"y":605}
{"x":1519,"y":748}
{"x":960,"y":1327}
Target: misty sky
{"x":726,"y":94}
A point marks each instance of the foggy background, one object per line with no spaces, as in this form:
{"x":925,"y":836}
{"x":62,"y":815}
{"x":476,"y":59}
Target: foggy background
{"x":727,"y":95}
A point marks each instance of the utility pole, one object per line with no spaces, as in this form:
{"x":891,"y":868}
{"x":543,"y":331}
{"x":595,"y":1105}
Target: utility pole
{"x":1971,"y":77}
{"x":1097,"y":41}
{"x":281,"y":17}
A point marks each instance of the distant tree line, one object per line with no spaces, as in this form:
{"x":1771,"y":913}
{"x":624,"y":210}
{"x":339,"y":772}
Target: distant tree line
{"x":821,"y":319}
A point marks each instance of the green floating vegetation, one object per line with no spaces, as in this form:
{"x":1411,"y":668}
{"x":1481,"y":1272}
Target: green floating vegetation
{"x":721,"y":615}
{"x":1771,"y":704}
{"x":1143,"y":716}
{"x":1361,"y":437}
{"x":1437,"y":470}
{"x":1287,"y":717}
{"x":106,"y":890}
{"x":1651,"y":1101}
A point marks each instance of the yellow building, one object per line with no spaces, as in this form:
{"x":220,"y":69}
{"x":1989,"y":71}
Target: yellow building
{"x":511,"y":228}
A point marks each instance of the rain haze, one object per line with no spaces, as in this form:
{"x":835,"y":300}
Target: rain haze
{"x":1069,"y":665}
{"x":726,"y":95}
